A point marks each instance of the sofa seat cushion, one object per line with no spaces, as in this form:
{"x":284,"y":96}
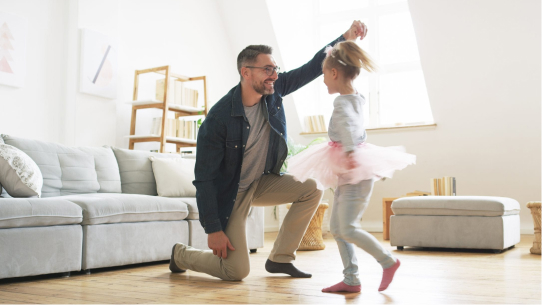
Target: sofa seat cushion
{"x":38,"y":212}
{"x":193,"y":212}
{"x":455,"y":206}
{"x":118,"y":208}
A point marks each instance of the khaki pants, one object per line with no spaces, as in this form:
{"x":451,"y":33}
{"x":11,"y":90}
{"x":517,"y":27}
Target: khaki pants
{"x":270,"y":190}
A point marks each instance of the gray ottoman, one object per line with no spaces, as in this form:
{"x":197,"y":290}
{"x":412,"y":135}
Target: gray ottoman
{"x":471,"y":222}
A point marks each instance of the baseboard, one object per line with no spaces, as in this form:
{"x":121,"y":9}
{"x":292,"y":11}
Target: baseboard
{"x":372,"y":226}
{"x":272,"y":228}
{"x":526,"y":231}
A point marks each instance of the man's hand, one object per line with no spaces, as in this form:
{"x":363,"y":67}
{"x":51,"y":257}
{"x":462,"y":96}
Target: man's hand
{"x":219,"y":243}
{"x":357,"y":29}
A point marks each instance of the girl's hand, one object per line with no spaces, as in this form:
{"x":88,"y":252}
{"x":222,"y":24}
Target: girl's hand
{"x":357,"y":29}
{"x":351,"y":162}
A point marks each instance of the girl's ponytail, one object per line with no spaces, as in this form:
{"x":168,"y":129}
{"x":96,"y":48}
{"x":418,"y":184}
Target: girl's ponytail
{"x":348,"y":57}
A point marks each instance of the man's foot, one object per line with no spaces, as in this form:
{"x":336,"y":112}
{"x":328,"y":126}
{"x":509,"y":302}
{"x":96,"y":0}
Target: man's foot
{"x":287,"y":268}
{"x":172,"y":266}
{"x":387,"y":276}
{"x":342,"y":287}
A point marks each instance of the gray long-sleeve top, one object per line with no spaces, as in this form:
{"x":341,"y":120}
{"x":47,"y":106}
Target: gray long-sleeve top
{"x":346,"y":124}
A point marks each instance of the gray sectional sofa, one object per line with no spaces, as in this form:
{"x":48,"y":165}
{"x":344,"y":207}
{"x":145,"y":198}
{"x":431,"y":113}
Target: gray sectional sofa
{"x":99,"y":208}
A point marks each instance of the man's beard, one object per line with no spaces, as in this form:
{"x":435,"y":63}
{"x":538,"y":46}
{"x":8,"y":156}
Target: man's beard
{"x":260,"y":88}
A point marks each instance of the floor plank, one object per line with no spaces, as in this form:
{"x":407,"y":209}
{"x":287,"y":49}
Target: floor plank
{"x":426,"y":276}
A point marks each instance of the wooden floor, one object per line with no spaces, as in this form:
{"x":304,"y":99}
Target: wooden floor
{"x":425,"y":277}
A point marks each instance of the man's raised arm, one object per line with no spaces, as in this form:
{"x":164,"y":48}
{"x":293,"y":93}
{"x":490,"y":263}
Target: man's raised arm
{"x":290,"y":81}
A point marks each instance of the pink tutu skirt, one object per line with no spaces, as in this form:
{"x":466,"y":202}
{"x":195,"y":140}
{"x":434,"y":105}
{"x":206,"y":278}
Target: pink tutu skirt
{"x":326,"y":162}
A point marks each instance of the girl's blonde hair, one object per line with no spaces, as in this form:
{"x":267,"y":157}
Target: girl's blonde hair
{"x":349,"y":58}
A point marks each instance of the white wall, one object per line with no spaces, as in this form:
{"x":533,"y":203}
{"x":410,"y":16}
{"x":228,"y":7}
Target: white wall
{"x":481,"y":61}
{"x":187,"y":34}
{"x":36,"y":110}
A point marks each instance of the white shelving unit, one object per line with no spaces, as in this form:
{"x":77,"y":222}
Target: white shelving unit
{"x":165,"y":106}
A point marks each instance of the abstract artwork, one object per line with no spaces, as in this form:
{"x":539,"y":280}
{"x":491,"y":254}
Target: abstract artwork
{"x":99,"y":66}
{"x":12,"y":50}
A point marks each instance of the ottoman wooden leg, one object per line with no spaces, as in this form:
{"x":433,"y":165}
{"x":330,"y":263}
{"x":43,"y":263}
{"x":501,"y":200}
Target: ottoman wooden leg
{"x":535,"y":212}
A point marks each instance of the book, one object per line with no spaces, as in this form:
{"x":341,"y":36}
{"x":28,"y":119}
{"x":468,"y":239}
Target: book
{"x":441,"y":189}
{"x":187,"y":128}
{"x":307,"y":124}
{"x":445,"y":186}
{"x":322,"y":123}
{"x":314,"y":127}
{"x":434,"y":187}
{"x":159,"y":94}
{"x":185,"y":96}
{"x":447,"y":189}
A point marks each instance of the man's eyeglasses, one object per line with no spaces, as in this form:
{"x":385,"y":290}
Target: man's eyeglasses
{"x":268,"y":70}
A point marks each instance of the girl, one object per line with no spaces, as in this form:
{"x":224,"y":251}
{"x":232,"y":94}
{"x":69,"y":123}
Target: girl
{"x":350,"y":165}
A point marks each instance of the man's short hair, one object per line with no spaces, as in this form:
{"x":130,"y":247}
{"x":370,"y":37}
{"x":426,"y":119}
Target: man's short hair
{"x":249,"y":54}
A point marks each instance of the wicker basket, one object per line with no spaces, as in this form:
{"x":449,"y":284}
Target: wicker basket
{"x":312,"y":240}
{"x":535,"y":211}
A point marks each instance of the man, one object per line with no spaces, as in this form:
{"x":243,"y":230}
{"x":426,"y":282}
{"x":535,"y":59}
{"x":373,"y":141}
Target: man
{"x":241,"y":148}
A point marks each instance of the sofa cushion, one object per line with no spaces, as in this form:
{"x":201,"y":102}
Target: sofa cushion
{"x":38,"y":212}
{"x":193,"y":212}
{"x":19,"y":174}
{"x":68,"y":170}
{"x":455,"y":205}
{"x":117,"y":208}
{"x":136,"y":172}
{"x":107,"y":168}
{"x":174,"y":176}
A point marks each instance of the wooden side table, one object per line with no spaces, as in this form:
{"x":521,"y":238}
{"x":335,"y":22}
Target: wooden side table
{"x":387,"y":212}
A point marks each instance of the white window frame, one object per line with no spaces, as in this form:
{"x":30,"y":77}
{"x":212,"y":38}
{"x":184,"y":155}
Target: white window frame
{"x":371,"y":13}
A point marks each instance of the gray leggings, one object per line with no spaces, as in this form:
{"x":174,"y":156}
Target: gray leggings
{"x":350,"y":202}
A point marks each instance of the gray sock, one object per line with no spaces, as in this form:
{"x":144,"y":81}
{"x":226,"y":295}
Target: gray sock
{"x":287,"y":268}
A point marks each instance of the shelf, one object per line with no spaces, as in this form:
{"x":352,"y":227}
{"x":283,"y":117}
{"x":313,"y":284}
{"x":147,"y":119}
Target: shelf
{"x":152,"y":103}
{"x":156,"y":138}
{"x":164,"y":106}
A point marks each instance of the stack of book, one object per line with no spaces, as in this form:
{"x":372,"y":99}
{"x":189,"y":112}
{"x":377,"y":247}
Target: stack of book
{"x":179,"y":128}
{"x":187,"y":129}
{"x":315,"y":123}
{"x":445,"y":186}
{"x":418,"y":193}
{"x":181,"y":95}
{"x":170,"y":130}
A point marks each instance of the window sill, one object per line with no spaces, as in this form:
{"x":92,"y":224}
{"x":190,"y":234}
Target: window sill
{"x":376,"y":128}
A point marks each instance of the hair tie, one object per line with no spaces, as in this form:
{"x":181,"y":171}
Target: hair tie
{"x":329,"y":52}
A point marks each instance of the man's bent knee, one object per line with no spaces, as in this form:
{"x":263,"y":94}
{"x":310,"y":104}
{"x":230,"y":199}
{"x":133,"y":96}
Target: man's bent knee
{"x":237,"y":273}
{"x":313,"y":186}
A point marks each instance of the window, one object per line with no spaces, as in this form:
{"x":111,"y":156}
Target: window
{"x":395,"y":95}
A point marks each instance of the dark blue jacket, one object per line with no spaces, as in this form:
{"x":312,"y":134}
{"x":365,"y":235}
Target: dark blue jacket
{"x":222,"y":138}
